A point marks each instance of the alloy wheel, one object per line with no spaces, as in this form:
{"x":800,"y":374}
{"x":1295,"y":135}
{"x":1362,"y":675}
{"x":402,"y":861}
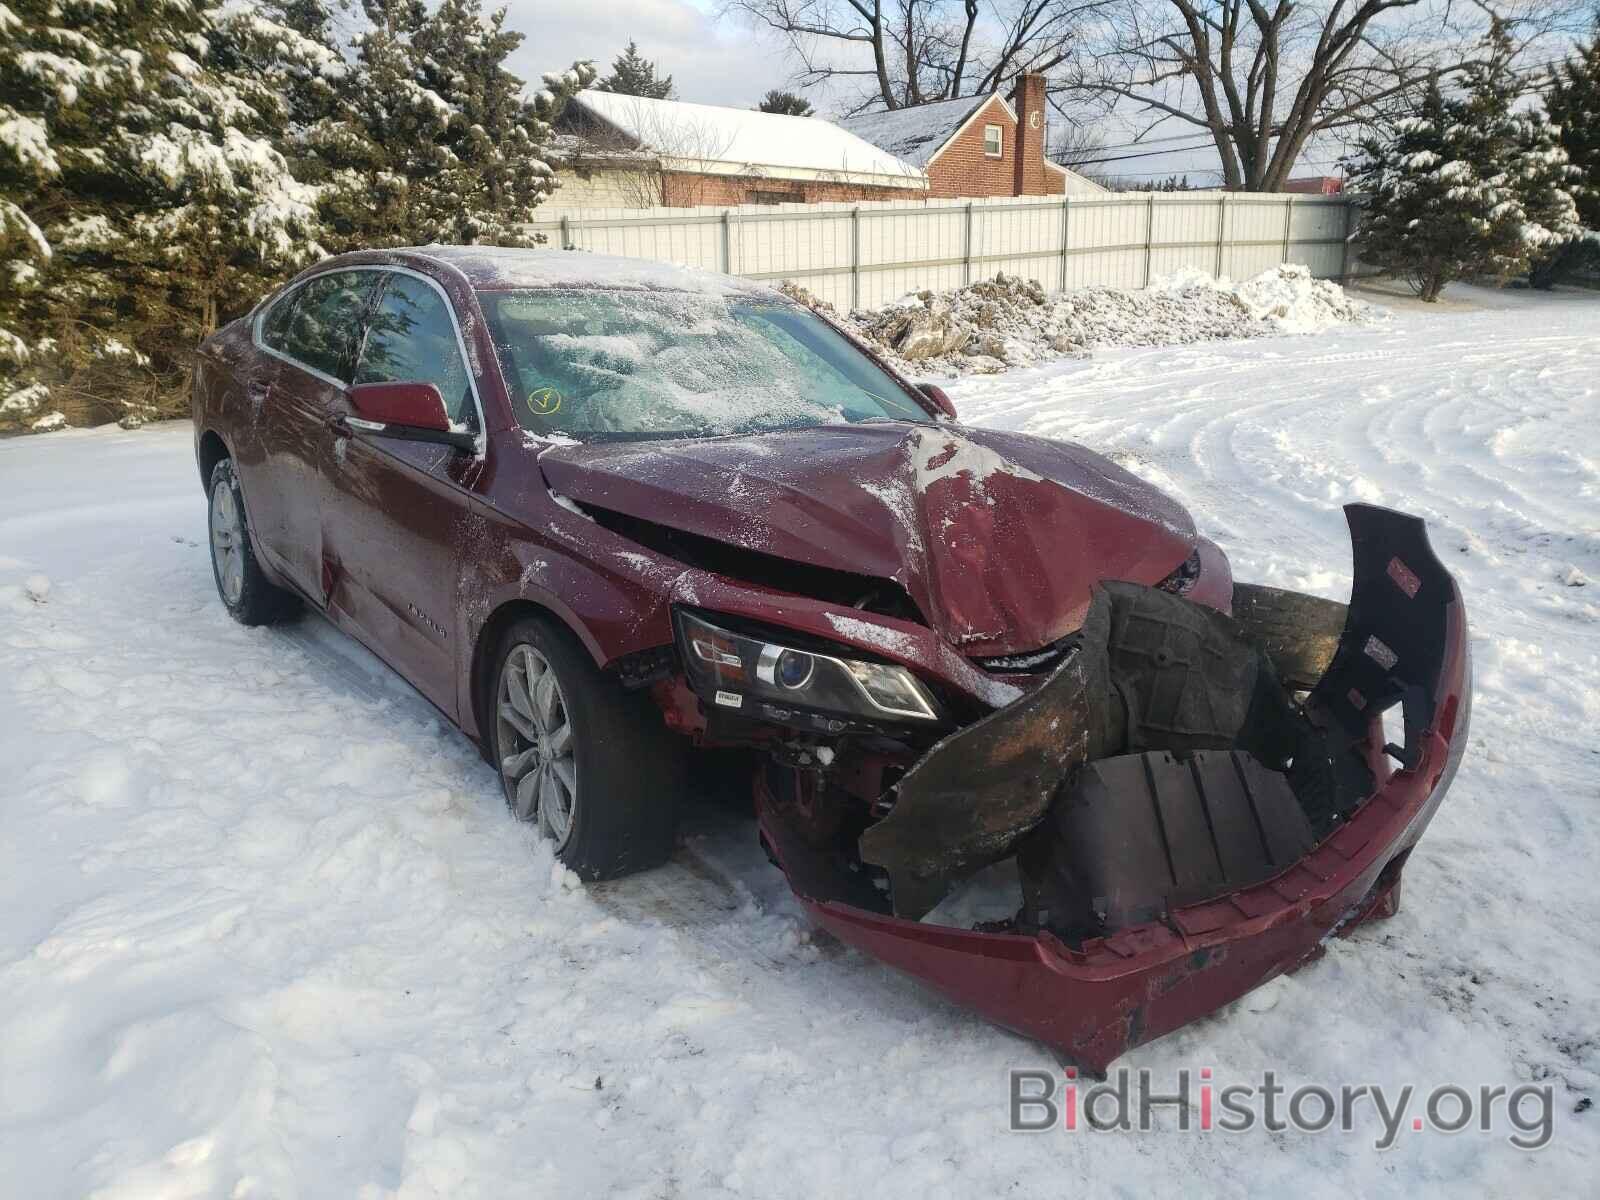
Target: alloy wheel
{"x":536,"y":743}
{"x":227,"y":542}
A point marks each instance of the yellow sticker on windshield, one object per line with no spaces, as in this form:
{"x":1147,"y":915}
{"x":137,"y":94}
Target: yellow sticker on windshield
{"x":544,"y":402}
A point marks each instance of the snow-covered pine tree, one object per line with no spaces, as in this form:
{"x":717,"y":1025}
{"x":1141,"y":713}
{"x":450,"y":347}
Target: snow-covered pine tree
{"x":1572,"y":102}
{"x":1410,"y":226}
{"x":634,"y":75}
{"x":138,"y":145}
{"x":495,"y":139}
{"x":305,"y":63}
{"x":1466,"y":186}
{"x":430,"y":138}
{"x":785,"y":104}
{"x":29,"y":166}
{"x":375,"y":129}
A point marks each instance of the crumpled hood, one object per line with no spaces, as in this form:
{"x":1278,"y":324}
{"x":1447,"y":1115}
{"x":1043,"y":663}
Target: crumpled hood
{"x":997,"y":537}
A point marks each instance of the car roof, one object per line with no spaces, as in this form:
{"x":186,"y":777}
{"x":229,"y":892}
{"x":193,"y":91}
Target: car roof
{"x":500,"y":268}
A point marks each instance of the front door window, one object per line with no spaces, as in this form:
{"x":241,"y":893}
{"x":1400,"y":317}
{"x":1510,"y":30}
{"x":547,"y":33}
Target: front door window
{"x":412,"y":338}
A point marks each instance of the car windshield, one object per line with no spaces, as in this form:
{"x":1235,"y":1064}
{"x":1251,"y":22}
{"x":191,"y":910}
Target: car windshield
{"x":631,"y":365}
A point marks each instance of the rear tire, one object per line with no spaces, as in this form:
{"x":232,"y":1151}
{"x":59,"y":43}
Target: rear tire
{"x":245,"y":591}
{"x":593,"y":764}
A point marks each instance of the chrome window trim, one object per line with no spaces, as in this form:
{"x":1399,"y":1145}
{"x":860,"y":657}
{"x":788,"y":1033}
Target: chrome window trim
{"x":481,"y":438}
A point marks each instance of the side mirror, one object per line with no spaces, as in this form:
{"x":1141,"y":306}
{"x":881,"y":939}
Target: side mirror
{"x":938,"y":395}
{"x":412,"y":411}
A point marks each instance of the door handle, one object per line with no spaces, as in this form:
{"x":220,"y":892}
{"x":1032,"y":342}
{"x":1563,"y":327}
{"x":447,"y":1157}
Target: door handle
{"x":339,"y":425}
{"x":256,"y":392}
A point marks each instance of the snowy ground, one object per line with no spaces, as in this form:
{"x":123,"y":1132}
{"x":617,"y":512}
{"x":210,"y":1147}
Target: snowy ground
{"x":266,"y":928}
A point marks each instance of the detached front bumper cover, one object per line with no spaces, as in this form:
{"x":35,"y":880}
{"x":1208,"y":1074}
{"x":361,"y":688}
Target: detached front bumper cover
{"x":1404,"y":644}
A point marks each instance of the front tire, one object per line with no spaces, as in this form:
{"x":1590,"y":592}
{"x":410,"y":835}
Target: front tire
{"x":593,"y":764}
{"x":245,"y":591}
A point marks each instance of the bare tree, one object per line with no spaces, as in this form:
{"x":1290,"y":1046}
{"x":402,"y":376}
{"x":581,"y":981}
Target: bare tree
{"x":900,"y":53}
{"x":1261,"y":78}
{"x":1076,"y":146}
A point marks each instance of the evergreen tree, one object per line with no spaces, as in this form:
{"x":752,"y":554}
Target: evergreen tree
{"x":165,"y":162}
{"x":494,"y":142}
{"x":633,"y":75}
{"x":785,"y":103}
{"x":1573,"y":104}
{"x":311,"y":76}
{"x":141,"y":196}
{"x":429,"y":138}
{"x":1466,"y":186}
{"x":30,"y":165}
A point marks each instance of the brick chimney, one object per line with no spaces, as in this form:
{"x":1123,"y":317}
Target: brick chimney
{"x":1027,"y":98}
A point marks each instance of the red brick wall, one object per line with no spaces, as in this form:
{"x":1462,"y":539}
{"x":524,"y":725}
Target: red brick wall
{"x":962,"y":168}
{"x":681,"y":189}
{"x":1316,"y":185}
{"x":1028,"y":167}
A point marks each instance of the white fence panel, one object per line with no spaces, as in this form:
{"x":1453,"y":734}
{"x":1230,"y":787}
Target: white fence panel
{"x":1318,"y":232}
{"x":868,"y":254}
{"x":1185,"y":233}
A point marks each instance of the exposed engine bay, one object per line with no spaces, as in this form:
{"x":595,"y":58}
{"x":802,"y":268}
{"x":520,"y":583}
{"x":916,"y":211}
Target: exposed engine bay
{"x":1162,"y":760}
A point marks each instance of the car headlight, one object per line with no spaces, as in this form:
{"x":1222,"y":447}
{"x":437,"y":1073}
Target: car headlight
{"x":748,"y":673}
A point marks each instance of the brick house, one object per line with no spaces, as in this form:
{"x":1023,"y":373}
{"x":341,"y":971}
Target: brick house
{"x":977,"y":146}
{"x":617,"y":151}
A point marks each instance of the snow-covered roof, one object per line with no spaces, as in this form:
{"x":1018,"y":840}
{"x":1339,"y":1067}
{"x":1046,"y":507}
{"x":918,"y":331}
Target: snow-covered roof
{"x":708,"y":139}
{"x":917,"y":133}
{"x":1077,"y":183}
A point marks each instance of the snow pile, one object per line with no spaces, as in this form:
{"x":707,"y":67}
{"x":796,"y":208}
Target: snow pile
{"x":1008,"y":321}
{"x":1286,"y":298}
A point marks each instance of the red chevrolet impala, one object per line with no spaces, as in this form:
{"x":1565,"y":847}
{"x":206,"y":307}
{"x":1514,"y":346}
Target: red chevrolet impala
{"x":604,"y":513}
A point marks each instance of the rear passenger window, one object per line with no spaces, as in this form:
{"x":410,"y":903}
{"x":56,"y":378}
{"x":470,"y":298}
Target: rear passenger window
{"x":321,"y":320}
{"x":412,"y":338}
{"x":275,"y":328}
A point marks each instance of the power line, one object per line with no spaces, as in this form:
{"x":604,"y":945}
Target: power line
{"x":1180,"y":174}
{"x":1142,"y":141}
{"x":1089,"y":162}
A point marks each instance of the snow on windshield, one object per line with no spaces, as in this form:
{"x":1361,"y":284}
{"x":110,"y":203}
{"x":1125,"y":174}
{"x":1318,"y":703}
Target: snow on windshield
{"x":607,"y":364}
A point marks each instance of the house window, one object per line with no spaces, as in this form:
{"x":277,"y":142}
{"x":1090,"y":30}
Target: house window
{"x":991,"y":140}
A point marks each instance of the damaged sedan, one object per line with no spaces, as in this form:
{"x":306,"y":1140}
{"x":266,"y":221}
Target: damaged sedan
{"x":608,"y":516}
